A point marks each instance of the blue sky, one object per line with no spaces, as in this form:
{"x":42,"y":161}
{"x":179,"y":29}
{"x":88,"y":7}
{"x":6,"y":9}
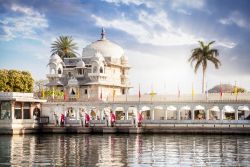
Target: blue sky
{"x":157,"y":37}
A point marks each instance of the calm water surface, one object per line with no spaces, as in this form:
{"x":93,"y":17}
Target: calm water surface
{"x":124,"y":150}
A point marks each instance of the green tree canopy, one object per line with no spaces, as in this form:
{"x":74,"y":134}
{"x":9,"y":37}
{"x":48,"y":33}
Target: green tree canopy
{"x":64,"y":46}
{"x":16,"y":81}
{"x":201,"y":56}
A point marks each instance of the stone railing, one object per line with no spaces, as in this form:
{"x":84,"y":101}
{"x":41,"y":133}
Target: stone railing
{"x":227,"y":97}
{"x":16,"y":95}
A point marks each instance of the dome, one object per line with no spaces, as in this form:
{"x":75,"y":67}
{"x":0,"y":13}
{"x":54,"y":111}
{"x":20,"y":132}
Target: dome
{"x":105,"y":47}
{"x":55,"y":59}
{"x":80,"y":64}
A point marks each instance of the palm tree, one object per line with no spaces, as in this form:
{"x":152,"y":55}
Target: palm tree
{"x":201,"y":56}
{"x":64,"y":47}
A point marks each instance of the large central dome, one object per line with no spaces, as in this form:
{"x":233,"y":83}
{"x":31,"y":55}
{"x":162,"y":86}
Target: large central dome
{"x":103,"y":46}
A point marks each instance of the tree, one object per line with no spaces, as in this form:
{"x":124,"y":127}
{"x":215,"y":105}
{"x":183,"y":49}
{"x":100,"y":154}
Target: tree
{"x":64,"y":47}
{"x":16,"y":81}
{"x":201,"y":56}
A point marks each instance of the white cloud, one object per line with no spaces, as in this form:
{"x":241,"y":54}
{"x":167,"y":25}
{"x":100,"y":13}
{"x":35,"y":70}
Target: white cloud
{"x":195,"y":4}
{"x":25,"y":25}
{"x":235,"y":18}
{"x":145,"y":29}
{"x":229,"y":45}
{"x":147,"y":3}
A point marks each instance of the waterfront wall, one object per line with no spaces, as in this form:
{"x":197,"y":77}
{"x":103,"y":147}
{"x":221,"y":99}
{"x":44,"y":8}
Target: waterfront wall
{"x":150,"y":129}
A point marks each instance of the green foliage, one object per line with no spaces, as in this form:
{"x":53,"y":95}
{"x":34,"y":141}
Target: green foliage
{"x":57,"y":93}
{"x":16,"y":81}
{"x":201,"y":56}
{"x":64,"y":46}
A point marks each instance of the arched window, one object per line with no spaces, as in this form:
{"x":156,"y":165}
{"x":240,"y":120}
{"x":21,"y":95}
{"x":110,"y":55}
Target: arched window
{"x":94,"y":69}
{"x":59,"y":71}
{"x":53,"y":71}
{"x":101,"y":70}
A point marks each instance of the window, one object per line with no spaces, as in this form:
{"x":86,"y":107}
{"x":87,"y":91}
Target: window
{"x":101,"y":70}
{"x":59,"y":71}
{"x":80,"y":71}
{"x":5,"y":110}
{"x":26,"y":111}
{"x":86,"y":91}
{"x":69,"y":74}
{"x":123,"y":72}
{"x":73,"y":92}
{"x":18,"y":111}
{"x":123,"y":91}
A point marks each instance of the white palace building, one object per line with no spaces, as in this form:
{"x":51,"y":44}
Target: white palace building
{"x":97,"y":82}
{"x":100,"y":73}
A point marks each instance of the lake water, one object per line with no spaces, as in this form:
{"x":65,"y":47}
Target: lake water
{"x":124,"y":150}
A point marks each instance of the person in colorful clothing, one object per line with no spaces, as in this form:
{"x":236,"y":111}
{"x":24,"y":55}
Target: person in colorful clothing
{"x":113,"y":119}
{"x":140,"y":118}
{"x":62,"y":122}
{"x":87,"y":120}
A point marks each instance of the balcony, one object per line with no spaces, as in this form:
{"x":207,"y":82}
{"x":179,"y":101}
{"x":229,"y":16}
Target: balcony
{"x":54,"y":75}
{"x":97,"y":76}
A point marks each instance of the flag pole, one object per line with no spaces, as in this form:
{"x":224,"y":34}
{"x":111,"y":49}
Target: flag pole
{"x":139,"y":94}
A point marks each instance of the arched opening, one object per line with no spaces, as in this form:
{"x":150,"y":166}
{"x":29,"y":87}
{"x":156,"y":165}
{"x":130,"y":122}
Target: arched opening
{"x":243,"y":113}
{"x":185,"y":113}
{"x":199,"y":112}
{"x":101,"y":70}
{"x":119,"y":113}
{"x":159,"y":113}
{"x":172,"y":112}
{"x":73,"y":92}
{"x":93,"y":114}
{"x":214,"y":113}
{"x":59,"y":71}
{"x":229,"y":113}
{"x":52,"y":71}
{"x":145,"y":111}
{"x":132,"y":112}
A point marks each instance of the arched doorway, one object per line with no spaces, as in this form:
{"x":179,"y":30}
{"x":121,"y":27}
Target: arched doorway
{"x":159,"y":113}
{"x":119,"y":113}
{"x":229,"y":113}
{"x":199,"y":112}
{"x":185,"y":113}
{"x":172,"y":112}
{"x":145,"y":111}
{"x":214,"y":113}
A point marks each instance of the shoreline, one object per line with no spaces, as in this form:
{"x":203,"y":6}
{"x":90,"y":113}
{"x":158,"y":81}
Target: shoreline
{"x":127,"y":130}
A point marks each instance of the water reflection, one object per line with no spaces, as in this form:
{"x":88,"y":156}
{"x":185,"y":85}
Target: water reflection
{"x":124,"y":150}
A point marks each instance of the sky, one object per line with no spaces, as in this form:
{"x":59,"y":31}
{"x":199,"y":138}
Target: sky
{"x":157,"y":36}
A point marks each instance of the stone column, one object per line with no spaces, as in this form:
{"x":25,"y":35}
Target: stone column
{"x":207,"y":114}
{"x":237,"y":114}
{"x":166,"y":114}
{"x":192,"y":114}
{"x":153,"y":114}
{"x":221,"y":114}
{"x":178,"y":114}
{"x":126,"y":114}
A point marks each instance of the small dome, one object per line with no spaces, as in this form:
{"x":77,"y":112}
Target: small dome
{"x":80,"y":64}
{"x":105,"y":47}
{"x":73,"y":82}
{"x":55,"y":59}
